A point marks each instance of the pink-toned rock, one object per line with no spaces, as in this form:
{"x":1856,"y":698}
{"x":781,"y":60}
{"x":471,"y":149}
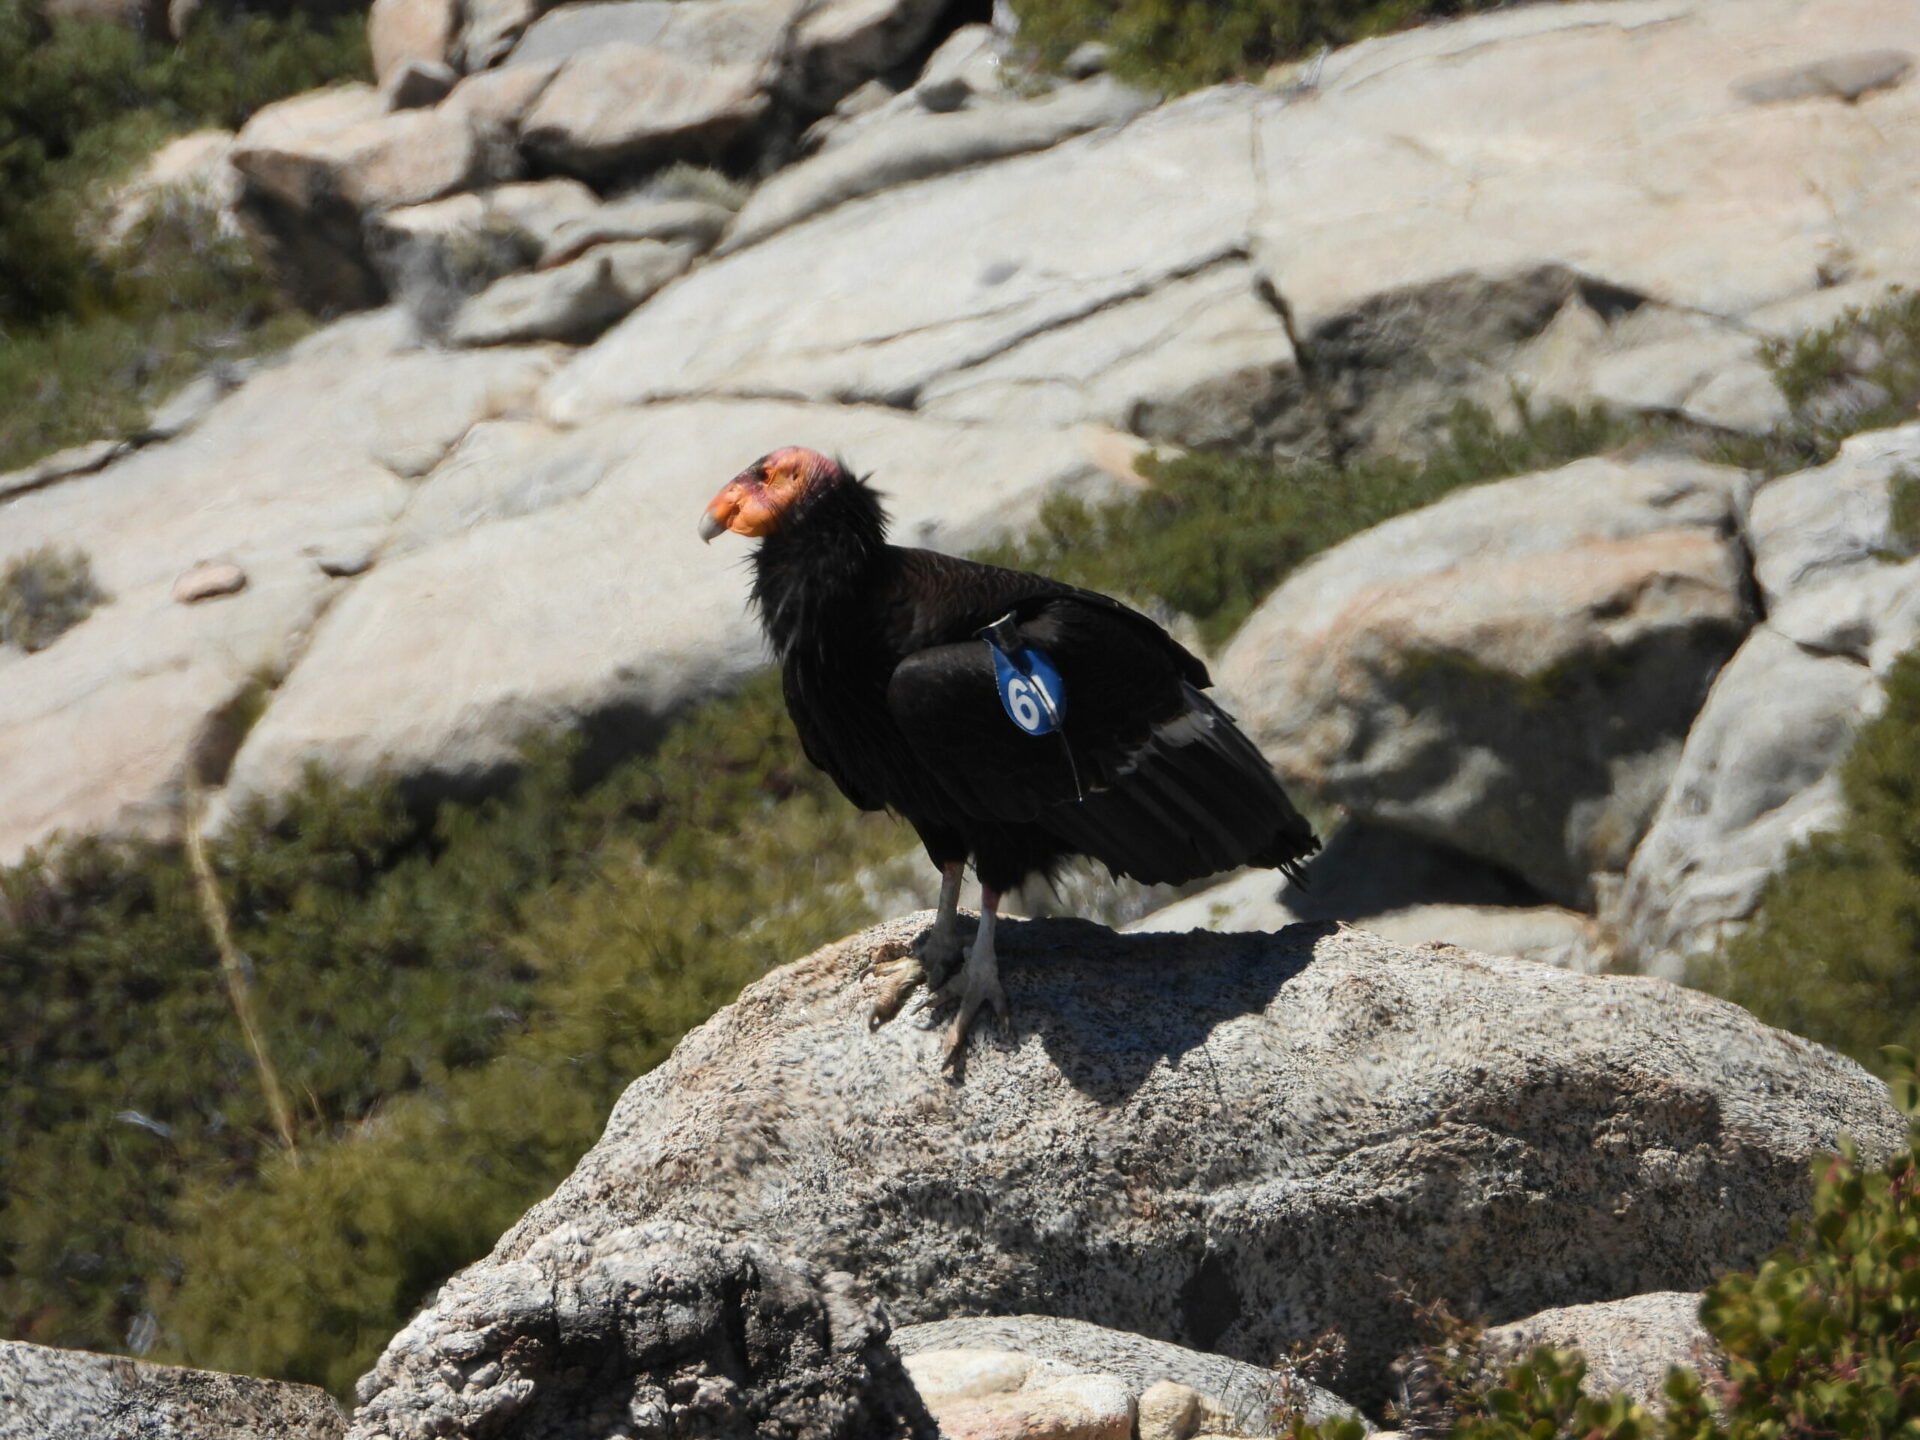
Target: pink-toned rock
{"x":946,"y":1377}
{"x":623,"y":105}
{"x":1510,"y":671}
{"x":497,"y":99}
{"x":403,"y":30}
{"x":317,"y":164}
{"x":1169,"y":1410}
{"x":1078,"y":1407}
{"x":208,"y":580}
{"x":1629,"y":1344}
{"x":341,"y":144}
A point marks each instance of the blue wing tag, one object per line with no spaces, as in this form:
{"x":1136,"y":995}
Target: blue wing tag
{"x":1030,"y":689}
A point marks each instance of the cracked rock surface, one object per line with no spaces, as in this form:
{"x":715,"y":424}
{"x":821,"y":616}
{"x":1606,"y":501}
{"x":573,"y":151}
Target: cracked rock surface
{"x":1757,"y":772}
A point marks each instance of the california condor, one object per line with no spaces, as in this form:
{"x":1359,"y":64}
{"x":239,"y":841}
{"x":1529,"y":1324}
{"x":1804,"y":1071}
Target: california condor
{"x":1009,"y":718}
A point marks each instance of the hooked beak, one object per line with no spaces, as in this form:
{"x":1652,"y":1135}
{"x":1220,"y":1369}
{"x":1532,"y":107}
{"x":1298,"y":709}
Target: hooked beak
{"x":721,"y":512}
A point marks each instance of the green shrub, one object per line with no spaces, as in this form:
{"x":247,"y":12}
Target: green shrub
{"x":1862,"y":372}
{"x":43,"y":594}
{"x":83,"y":100}
{"x":1181,"y":44}
{"x":1215,"y":533}
{"x":453,"y":1009}
{"x":88,"y":341}
{"x":1903,"y":495}
{"x":378,"y":963}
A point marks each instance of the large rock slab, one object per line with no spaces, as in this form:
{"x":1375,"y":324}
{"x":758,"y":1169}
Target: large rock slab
{"x":1756,"y":776}
{"x":100,"y":731}
{"x":315,"y":164}
{"x":1191,"y":362}
{"x":1825,"y":525}
{"x":460,"y":243}
{"x":49,"y":1394}
{"x":342,"y":145}
{"x":644,"y":81}
{"x":401,"y":32}
{"x":916,"y":147}
{"x":625,"y":107}
{"x":976,"y":262}
{"x":547,"y":579}
{"x":657,"y":1327}
{"x":1616,"y":159}
{"x":1611,"y":138}
{"x":572,"y":302}
{"x":695,"y":223}
{"x":1225,"y":1141}
{"x":1511,"y":670}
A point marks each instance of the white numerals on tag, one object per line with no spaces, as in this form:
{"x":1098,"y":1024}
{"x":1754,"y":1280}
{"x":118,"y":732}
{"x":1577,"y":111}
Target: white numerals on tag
{"x":1029,"y":701}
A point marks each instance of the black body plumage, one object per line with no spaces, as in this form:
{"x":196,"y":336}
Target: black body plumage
{"x":893,"y":695}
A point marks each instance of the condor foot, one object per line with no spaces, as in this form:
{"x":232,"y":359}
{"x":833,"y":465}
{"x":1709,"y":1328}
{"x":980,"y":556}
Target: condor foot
{"x":977,"y":985}
{"x":928,"y":963}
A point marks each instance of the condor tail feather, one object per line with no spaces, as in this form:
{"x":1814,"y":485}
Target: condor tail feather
{"x":1194,"y":798}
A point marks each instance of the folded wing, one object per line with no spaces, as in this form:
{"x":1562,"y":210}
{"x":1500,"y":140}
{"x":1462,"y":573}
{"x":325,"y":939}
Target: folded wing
{"x":1146,"y":774}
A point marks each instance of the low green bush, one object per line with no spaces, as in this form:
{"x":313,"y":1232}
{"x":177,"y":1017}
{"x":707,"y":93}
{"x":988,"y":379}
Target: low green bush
{"x":1213,"y":534}
{"x":44,"y":593}
{"x":1859,"y":373}
{"x":81,"y":101}
{"x":90,"y":337}
{"x":1181,"y":44}
{"x":452,"y":1008}
{"x":1903,"y":495}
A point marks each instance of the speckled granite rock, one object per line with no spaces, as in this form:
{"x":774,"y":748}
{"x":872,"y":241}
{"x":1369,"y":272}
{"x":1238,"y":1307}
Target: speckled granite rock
{"x":49,"y":1394}
{"x":1630,"y":1344}
{"x":1511,"y":670}
{"x":1221,"y":1140}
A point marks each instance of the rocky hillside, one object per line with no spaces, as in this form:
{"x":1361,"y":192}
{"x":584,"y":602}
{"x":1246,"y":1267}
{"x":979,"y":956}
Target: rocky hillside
{"x":439,"y":525}
{"x":1545,"y":379}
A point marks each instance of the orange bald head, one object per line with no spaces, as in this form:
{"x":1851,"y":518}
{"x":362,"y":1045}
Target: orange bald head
{"x":756,"y":500}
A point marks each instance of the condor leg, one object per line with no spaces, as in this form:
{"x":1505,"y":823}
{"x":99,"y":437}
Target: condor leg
{"x":940,"y":946}
{"x":932,"y":956}
{"x":978,"y":982}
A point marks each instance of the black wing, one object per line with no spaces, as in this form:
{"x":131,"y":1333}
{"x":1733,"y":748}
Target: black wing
{"x":1146,"y":774}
